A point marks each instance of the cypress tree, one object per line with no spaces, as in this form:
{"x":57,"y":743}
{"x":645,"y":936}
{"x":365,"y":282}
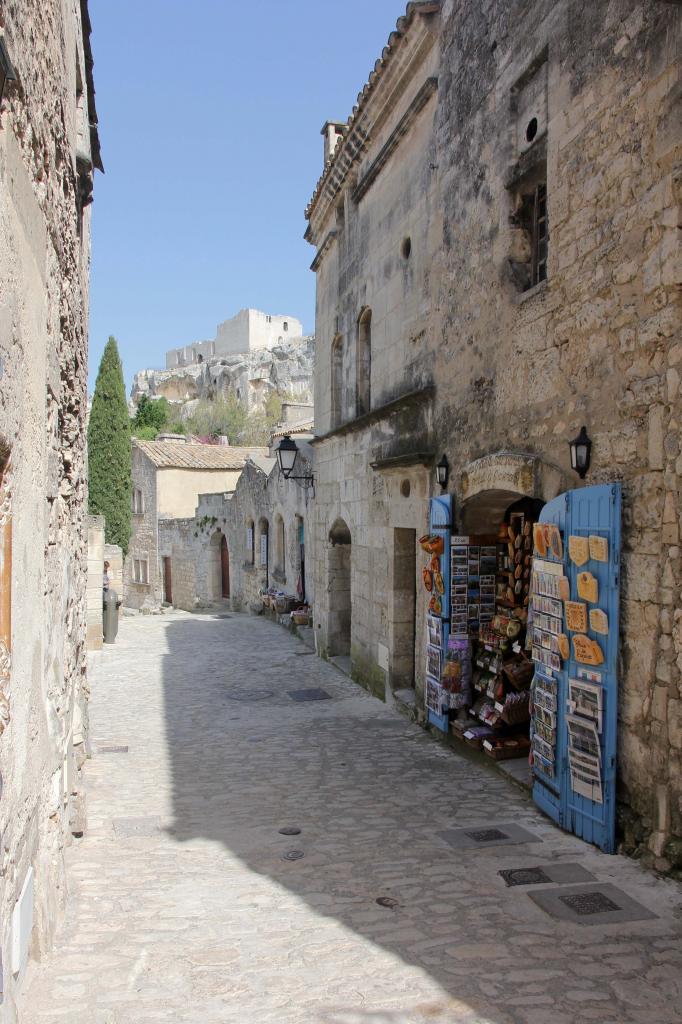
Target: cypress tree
{"x":109,"y":452}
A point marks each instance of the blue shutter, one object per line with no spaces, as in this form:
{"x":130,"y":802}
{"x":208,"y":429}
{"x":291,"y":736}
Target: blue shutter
{"x":589,"y":511}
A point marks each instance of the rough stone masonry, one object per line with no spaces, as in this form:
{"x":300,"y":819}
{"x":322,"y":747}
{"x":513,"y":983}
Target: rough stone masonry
{"x":49,"y":150}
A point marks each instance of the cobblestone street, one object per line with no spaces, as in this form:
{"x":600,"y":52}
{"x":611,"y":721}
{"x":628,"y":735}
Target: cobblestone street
{"x":184,"y":906}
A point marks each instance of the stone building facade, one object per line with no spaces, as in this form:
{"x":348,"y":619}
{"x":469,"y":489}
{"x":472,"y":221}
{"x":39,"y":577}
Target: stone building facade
{"x":497,"y":258}
{"x":241,"y":543}
{"x":249,"y":330}
{"x":49,"y":149}
{"x":168,"y":477}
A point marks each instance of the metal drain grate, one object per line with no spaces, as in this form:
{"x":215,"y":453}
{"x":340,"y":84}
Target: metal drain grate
{"x":293,"y":855}
{"x":248,"y":695}
{"x":290,"y":830}
{"x":524,"y":876}
{"x":112,"y":748}
{"x":583,"y":903}
{"x":487,"y":835}
{"x":387,"y":901}
{"x":311,"y":694}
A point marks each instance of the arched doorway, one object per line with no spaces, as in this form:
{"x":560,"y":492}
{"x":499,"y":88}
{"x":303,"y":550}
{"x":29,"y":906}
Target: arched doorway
{"x":339,"y":587}
{"x":224,"y":568}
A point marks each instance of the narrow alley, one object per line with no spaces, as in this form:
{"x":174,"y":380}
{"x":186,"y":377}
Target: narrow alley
{"x":190,"y":903}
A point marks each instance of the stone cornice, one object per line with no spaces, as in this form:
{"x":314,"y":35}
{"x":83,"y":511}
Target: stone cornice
{"x":411,"y":398}
{"x":326,"y":242}
{"x":393,"y":141}
{"x":407,"y":49}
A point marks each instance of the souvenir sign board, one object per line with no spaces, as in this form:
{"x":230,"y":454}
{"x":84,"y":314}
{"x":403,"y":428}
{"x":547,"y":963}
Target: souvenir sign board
{"x":575,"y":696}
{"x":438,"y":616}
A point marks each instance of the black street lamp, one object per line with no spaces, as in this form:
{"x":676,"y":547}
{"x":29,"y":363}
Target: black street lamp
{"x":443,"y":472}
{"x":581,"y":448}
{"x":287,"y":453}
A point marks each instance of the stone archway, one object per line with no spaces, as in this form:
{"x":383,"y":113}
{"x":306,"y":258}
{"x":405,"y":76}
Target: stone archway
{"x":339,"y":589}
{"x":491,"y":484}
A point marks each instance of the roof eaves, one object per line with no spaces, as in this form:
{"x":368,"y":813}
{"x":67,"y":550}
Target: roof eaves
{"x":340,"y":153}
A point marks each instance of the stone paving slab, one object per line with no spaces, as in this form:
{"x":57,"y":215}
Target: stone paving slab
{"x":203,"y":922}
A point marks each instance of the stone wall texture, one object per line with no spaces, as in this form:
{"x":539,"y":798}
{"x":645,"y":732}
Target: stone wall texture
{"x":464,"y":362}
{"x":44,"y":268}
{"x":262,"y":502}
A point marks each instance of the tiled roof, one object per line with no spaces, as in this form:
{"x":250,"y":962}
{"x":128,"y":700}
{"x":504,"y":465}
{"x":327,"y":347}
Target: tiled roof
{"x":301,"y":427}
{"x":415,"y":7}
{"x":176,"y":455}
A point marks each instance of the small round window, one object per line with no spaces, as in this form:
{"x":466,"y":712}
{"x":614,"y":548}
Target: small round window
{"x":405,"y":488}
{"x":406,"y":247}
{"x":531,"y":129}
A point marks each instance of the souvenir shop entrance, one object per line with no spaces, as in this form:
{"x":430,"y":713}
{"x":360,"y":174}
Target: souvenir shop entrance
{"x":522,"y":633}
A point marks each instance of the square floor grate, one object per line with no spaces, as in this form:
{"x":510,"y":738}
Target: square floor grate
{"x":311,"y":694}
{"x":112,"y":748}
{"x":525,"y":876}
{"x":584,"y":903}
{"x":487,"y":835}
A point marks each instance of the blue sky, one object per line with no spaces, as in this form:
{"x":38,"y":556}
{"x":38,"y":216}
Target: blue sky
{"x":209,"y":120}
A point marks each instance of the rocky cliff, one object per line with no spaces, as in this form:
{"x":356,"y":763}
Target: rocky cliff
{"x":286,"y":369}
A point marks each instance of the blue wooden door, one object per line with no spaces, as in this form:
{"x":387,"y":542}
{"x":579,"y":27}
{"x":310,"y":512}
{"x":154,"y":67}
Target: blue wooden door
{"x":586,"y":695}
{"x":440,"y":524}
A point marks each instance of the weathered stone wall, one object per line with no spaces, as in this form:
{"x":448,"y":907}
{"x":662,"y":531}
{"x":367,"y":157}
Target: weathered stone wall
{"x":143,"y":538}
{"x":44,"y":267}
{"x":260,"y":497}
{"x":596,"y":343}
{"x":96,"y":558}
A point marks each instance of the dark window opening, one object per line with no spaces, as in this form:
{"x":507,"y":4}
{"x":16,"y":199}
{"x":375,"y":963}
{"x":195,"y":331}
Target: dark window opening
{"x":530,"y":231}
{"x":363,"y":368}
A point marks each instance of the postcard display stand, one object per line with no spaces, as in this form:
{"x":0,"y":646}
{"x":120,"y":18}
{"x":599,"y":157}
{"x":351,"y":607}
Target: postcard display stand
{"x":573,"y":625}
{"x":436,"y":572}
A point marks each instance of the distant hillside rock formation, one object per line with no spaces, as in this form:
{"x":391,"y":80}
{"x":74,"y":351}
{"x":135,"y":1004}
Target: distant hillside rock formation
{"x":285,"y":368}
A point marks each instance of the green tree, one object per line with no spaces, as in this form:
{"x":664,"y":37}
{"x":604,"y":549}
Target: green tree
{"x":109,"y":453}
{"x":224,"y":416}
{"x":152,"y":414}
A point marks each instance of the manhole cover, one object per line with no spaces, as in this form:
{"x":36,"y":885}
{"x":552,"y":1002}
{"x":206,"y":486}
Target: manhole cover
{"x":222,"y":616}
{"x":311,"y":694}
{"x":112,"y":748}
{"x":487,"y":835}
{"x":584,"y":903}
{"x":248,"y":695}
{"x":293,"y":855}
{"x":525,"y":876}
{"x":290,"y":830}
{"x":387,"y":901}
{"x":130,"y":828}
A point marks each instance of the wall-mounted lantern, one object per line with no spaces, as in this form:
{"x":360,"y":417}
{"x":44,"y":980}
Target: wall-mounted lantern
{"x":581,"y":448}
{"x":287,"y":454}
{"x":7,"y":72}
{"x":443,"y":472}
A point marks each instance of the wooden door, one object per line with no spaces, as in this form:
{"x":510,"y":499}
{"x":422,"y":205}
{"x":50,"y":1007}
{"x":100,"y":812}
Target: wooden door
{"x":167,"y":581}
{"x":224,"y":568}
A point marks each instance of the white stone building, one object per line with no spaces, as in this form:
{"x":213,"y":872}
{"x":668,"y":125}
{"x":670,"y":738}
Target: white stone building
{"x":168,"y":477}
{"x":249,"y":330}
